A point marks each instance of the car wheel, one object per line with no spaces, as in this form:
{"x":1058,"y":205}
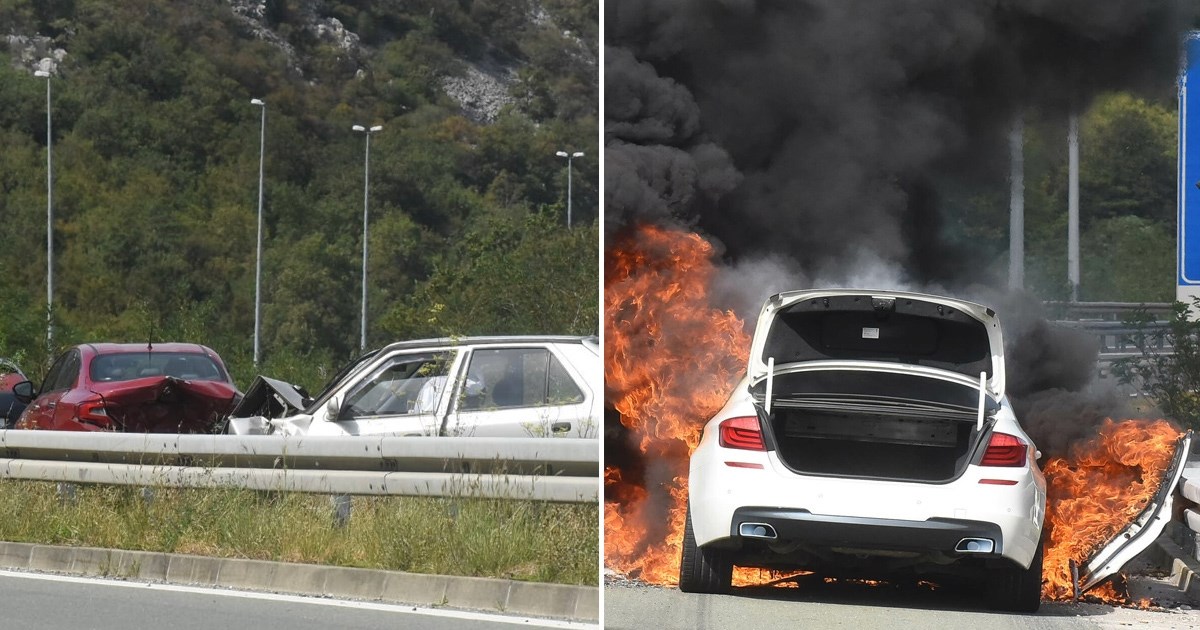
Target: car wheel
{"x":1016,"y":589}
{"x":703,"y":570}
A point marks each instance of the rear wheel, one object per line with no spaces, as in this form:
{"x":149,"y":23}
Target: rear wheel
{"x":703,"y":570}
{"x":1016,"y":589}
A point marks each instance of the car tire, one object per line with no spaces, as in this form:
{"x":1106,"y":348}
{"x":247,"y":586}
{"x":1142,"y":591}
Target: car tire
{"x":703,"y":570}
{"x":1015,"y":589}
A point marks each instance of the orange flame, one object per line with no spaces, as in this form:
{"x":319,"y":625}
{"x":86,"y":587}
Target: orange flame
{"x":1095,"y":492}
{"x":671,"y":360}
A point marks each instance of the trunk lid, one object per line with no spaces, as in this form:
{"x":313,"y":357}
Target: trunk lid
{"x":799,"y":329}
{"x":166,"y":404}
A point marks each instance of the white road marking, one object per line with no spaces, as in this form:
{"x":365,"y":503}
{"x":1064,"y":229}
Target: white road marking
{"x":318,"y":601}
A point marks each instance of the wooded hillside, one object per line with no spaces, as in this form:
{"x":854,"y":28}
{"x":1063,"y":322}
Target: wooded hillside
{"x":156,"y":158}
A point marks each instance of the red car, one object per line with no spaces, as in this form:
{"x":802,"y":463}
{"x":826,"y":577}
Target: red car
{"x":155,"y":388}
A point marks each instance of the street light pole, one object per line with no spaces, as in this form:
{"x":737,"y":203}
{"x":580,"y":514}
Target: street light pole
{"x":569,"y":156}
{"x":262,"y":151}
{"x":49,"y":222}
{"x":362,"y":343}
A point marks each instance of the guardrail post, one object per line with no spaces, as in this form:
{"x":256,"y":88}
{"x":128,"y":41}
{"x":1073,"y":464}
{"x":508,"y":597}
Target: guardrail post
{"x":341,"y":510}
{"x":66,"y":493}
{"x":147,"y":495}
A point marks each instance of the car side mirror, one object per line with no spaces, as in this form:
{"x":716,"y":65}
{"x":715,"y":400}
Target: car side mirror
{"x":24,"y":391}
{"x":331,"y":410}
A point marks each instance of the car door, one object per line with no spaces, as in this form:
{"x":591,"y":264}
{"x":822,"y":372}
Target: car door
{"x":519,"y":391}
{"x":44,"y":412}
{"x":403,"y":394}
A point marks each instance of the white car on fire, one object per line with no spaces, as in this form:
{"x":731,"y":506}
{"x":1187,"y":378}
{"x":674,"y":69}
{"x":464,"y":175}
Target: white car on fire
{"x":870,"y":436}
{"x":516,"y":386}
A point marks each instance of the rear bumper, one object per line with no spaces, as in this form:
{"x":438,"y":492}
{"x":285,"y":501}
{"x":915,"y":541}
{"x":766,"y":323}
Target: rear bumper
{"x":863,"y":514}
{"x":935,"y":534}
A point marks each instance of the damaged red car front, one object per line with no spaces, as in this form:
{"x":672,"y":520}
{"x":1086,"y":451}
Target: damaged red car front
{"x":139,"y":388}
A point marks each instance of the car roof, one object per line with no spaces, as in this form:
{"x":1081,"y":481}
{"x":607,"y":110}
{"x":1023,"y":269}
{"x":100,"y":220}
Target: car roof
{"x":484,"y":340}
{"x":122,"y":348}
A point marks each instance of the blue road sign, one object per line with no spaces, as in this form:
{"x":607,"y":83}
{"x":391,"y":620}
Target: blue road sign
{"x":1188,"y":256}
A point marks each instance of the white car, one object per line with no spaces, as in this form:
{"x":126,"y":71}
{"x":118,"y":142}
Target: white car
{"x":519,"y":386}
{"x":870,"y":436}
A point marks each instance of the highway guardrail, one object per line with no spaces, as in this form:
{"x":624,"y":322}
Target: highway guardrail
{"x":549,"y":469}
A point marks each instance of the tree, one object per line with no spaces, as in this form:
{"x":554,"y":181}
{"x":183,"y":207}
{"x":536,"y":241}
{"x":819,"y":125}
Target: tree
{"x":1168,"y":368}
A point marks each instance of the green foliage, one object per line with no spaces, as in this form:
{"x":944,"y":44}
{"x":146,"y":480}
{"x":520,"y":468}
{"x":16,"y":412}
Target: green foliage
{"x":513,"y":539}
{"x":1127,"y":149}
{"x":1127,"y":167}
{"x":156,"y":152}
{"x":1128,"y":258}
{"x":512,"y":275}
{"x":1171,"y":379}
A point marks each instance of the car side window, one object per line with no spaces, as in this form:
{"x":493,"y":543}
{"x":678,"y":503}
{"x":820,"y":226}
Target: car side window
{"x":561,"y":388}
{"x":502,"y":378}
{"x":70,"y":372}
{"x":63,"y":373}
{"x":406,"y":384}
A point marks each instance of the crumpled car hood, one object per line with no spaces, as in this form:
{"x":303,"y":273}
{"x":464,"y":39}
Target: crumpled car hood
{"x":269,"y":406}
{"x":270,"y":398}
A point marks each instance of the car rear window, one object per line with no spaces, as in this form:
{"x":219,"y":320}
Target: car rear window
{"x":128,"y":366}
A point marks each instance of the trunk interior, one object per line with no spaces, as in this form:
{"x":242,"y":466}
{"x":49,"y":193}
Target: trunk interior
{"x":872,"y":445}
{"x":873,"y":424}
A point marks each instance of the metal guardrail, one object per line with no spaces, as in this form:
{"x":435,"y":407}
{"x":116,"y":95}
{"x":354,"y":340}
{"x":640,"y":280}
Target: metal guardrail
{"x":1106,"y":321}
{"x":1105,"y":311}
{"x":1189,"y":513}
{"x":1118,"y":339}
{"x":549,"y":469}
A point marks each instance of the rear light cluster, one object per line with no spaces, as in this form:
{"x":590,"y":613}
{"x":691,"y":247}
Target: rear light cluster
{"x":94,"y":413}
{"x":1005,"y":450}
{"x":742,"y":433}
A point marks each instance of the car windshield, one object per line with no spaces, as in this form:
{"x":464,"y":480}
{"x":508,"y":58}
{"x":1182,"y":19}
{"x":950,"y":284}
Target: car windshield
{"x":337,"y":379}
{"x":406,"y":383}
{"x":132,"y":365}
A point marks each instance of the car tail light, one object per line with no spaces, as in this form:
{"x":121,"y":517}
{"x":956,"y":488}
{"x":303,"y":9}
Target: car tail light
{"x":1004,"y":450}
{"x":94,"y":412}
{"x":742,"y":432}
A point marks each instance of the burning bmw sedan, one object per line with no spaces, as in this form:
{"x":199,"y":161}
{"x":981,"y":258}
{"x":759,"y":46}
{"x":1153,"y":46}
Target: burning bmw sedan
{"x":870,"y":435}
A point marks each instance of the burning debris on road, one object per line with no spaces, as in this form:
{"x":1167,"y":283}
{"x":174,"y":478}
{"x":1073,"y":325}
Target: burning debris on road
{"x":1101,"y":494}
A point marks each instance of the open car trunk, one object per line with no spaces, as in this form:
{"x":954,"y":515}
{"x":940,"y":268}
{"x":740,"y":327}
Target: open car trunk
{"x":875,"y":424}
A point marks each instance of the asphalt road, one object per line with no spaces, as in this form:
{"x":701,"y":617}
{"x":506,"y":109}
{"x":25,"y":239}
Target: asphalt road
{"x":860,"y":607}
{"x":53,"y":602}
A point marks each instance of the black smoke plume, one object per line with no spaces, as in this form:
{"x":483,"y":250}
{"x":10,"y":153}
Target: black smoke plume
{"x":814,"y":140}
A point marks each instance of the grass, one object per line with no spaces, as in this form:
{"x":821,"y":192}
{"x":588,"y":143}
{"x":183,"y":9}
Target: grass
{"x":520,"y":540}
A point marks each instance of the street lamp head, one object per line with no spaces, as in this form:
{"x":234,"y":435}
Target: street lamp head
{"x":561,"y":154}
{"x":577,"y":154}
{"x":377,"y":128}
{"x":358,"y":128}
{"x":42,"y":74}
{"x":257,"y":101}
